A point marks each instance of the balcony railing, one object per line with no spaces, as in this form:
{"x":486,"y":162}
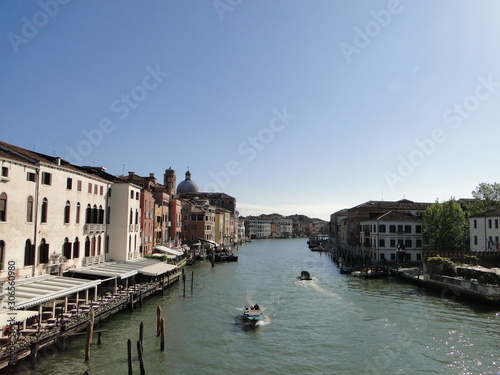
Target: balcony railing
{"x":90,"y":261}
{"x":94,"y":228}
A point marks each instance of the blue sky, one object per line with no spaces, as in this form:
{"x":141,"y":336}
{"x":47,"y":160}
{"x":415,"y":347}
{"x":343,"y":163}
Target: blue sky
{"x":289,"y":106}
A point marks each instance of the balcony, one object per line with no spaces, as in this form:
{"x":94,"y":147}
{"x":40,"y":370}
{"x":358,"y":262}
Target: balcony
{"x":94,"y":228}
{"x":90,"y":261}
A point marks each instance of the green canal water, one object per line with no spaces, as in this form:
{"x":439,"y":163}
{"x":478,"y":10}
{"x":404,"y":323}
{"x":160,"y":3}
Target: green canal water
{"x":333,"y":324}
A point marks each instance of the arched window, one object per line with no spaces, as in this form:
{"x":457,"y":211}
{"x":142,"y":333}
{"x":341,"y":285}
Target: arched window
{"x":45,"y":210}
{"x":92,"y":249}
{"x":100,"y":219}
{"x":88,"y":215}
{"x":76,"y":249}
{"x":67,"y":212}
{"x":136,"y":217}
{"x":67,"y":248}
{"x":87,"y":247}
{"x":44,"y":251}
{"x":94,"y":215}
{"x":99,"y":245}
{"x":107,"y":244}
{"x":29,"y":209}
{"x":29,"y":254}
{"x":2,"y":254}
{"x":78,"y":208}
{"x":3,"y":207}
{"x":131,"y":216}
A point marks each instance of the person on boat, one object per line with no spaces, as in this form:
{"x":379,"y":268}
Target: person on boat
{"x":256,"y":307}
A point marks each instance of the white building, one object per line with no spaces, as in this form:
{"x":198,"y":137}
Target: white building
{"x":123,"y":240}
{"x":485,"y":231}
{"x":258,"y":228}
{"x":282,"y":228}
{"x":391,"y":235}
{"x":51,"y":213}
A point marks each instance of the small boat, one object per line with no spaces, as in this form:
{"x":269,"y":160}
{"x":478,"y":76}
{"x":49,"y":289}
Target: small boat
{"x":252,"y":314}
{"x":231,"y":258}
{"x":304,"y":275}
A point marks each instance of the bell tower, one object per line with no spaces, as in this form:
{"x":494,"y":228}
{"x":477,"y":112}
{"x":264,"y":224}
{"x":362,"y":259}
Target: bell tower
{"x":169,"y":179}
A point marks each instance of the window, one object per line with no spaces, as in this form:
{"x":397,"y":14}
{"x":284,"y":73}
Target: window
{"x":96,"y":189}
{"x":79,"y":185}
{"x":3,"y":207}
{"x":101,"y":190}
{"x":131,"y":195}
{"x":76,"y":249}
{"x":29,"y":254}
{"x":87,"y":247}
{"x":408,"y":243}
{"x":136,"y":217}
{"x":108,"y":221}
{"x":382,"y":228}
{"x":419,"y":243}
{"x":393,"y":243}
{"x":78,"y":209}
{"x":392,"y":229}
{"x":46,"y":178}
{"x":5,"y":172}
{"x":489,"y":223}
{"x":67,"y":212}
{"x":381,"y":242}
{"x":30,"y":176}
{"x":2,"y":254}
{"x":131,"y":216}
{"x":407,"y":228}
{"x":400,"y":228}
{"x":475,"y":224}
{"x":418,"y":229}
{"x":45,"y":210}
{"x":89,"y":190}
{"x":88,"y":215}
{"x":496,"y":223}
{"x":137,"y":195}
{"x":67,"y":248}
{"x":44,"y":251}
{"x":29,"y":210}
{"x":69,"y":183}
{"x":475,"y":240}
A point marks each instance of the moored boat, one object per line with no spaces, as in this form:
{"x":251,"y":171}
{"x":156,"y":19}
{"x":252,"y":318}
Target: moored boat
{"x":252,"y":314}
{"x":304,"y":275}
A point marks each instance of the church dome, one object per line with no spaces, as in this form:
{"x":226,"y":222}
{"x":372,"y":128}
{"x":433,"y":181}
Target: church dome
{"x":188,"y":185}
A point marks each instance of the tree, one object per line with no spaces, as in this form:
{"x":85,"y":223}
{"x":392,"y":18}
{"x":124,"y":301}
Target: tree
{"x":445,"y":226}
{"x":486,"y":196}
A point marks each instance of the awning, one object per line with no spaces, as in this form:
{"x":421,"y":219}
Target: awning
{"x":157,"y":269}
{"x":168,"y":250}
{"x":124,"y":270}
{"x":12,"y":316}
{"x":37,"y":290}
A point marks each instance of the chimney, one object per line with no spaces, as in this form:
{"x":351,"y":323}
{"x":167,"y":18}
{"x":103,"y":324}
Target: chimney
{"x":131,"y":175}
{"x":152,"y":175}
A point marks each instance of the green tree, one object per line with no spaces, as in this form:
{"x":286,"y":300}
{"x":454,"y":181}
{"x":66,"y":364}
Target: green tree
{"x":487,"y":196}
{"x":445,"y":226}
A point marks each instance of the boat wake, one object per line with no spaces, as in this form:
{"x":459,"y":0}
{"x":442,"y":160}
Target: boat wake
{"x":314,"y":285}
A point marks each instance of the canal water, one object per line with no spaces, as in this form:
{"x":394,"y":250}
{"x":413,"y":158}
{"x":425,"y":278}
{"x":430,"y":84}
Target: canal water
{"x":333,"y":324}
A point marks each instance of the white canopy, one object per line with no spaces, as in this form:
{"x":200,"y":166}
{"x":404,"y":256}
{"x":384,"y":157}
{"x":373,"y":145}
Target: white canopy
{"x":168,"y":250}
{"x":7,"y":316}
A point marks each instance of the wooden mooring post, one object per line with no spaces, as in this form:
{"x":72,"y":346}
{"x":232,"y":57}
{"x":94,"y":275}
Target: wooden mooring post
{"x":141,"y":359}
{"x":158,"y":320}
{"x":162,"y":334}
{"x":129,"y":352}
{"x":90,"y":329}
{"x":183,"y":283}
{"x":141,"y":333}
{"x":192,"y":280}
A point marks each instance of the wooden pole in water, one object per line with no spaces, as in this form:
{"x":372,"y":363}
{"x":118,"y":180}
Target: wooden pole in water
{"x":90,"y":330}
{"x":141,"y":333}
{"x":129,"y":351}
{"x":141,"y":359}
{"x":33,"y":355}
{"x":162,"y":334}
{"x":192,"y":280}
{"x":158,"y":320}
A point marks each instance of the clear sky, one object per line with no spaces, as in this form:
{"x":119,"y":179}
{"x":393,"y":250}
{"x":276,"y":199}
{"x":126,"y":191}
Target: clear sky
{"x":297,"y":106}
